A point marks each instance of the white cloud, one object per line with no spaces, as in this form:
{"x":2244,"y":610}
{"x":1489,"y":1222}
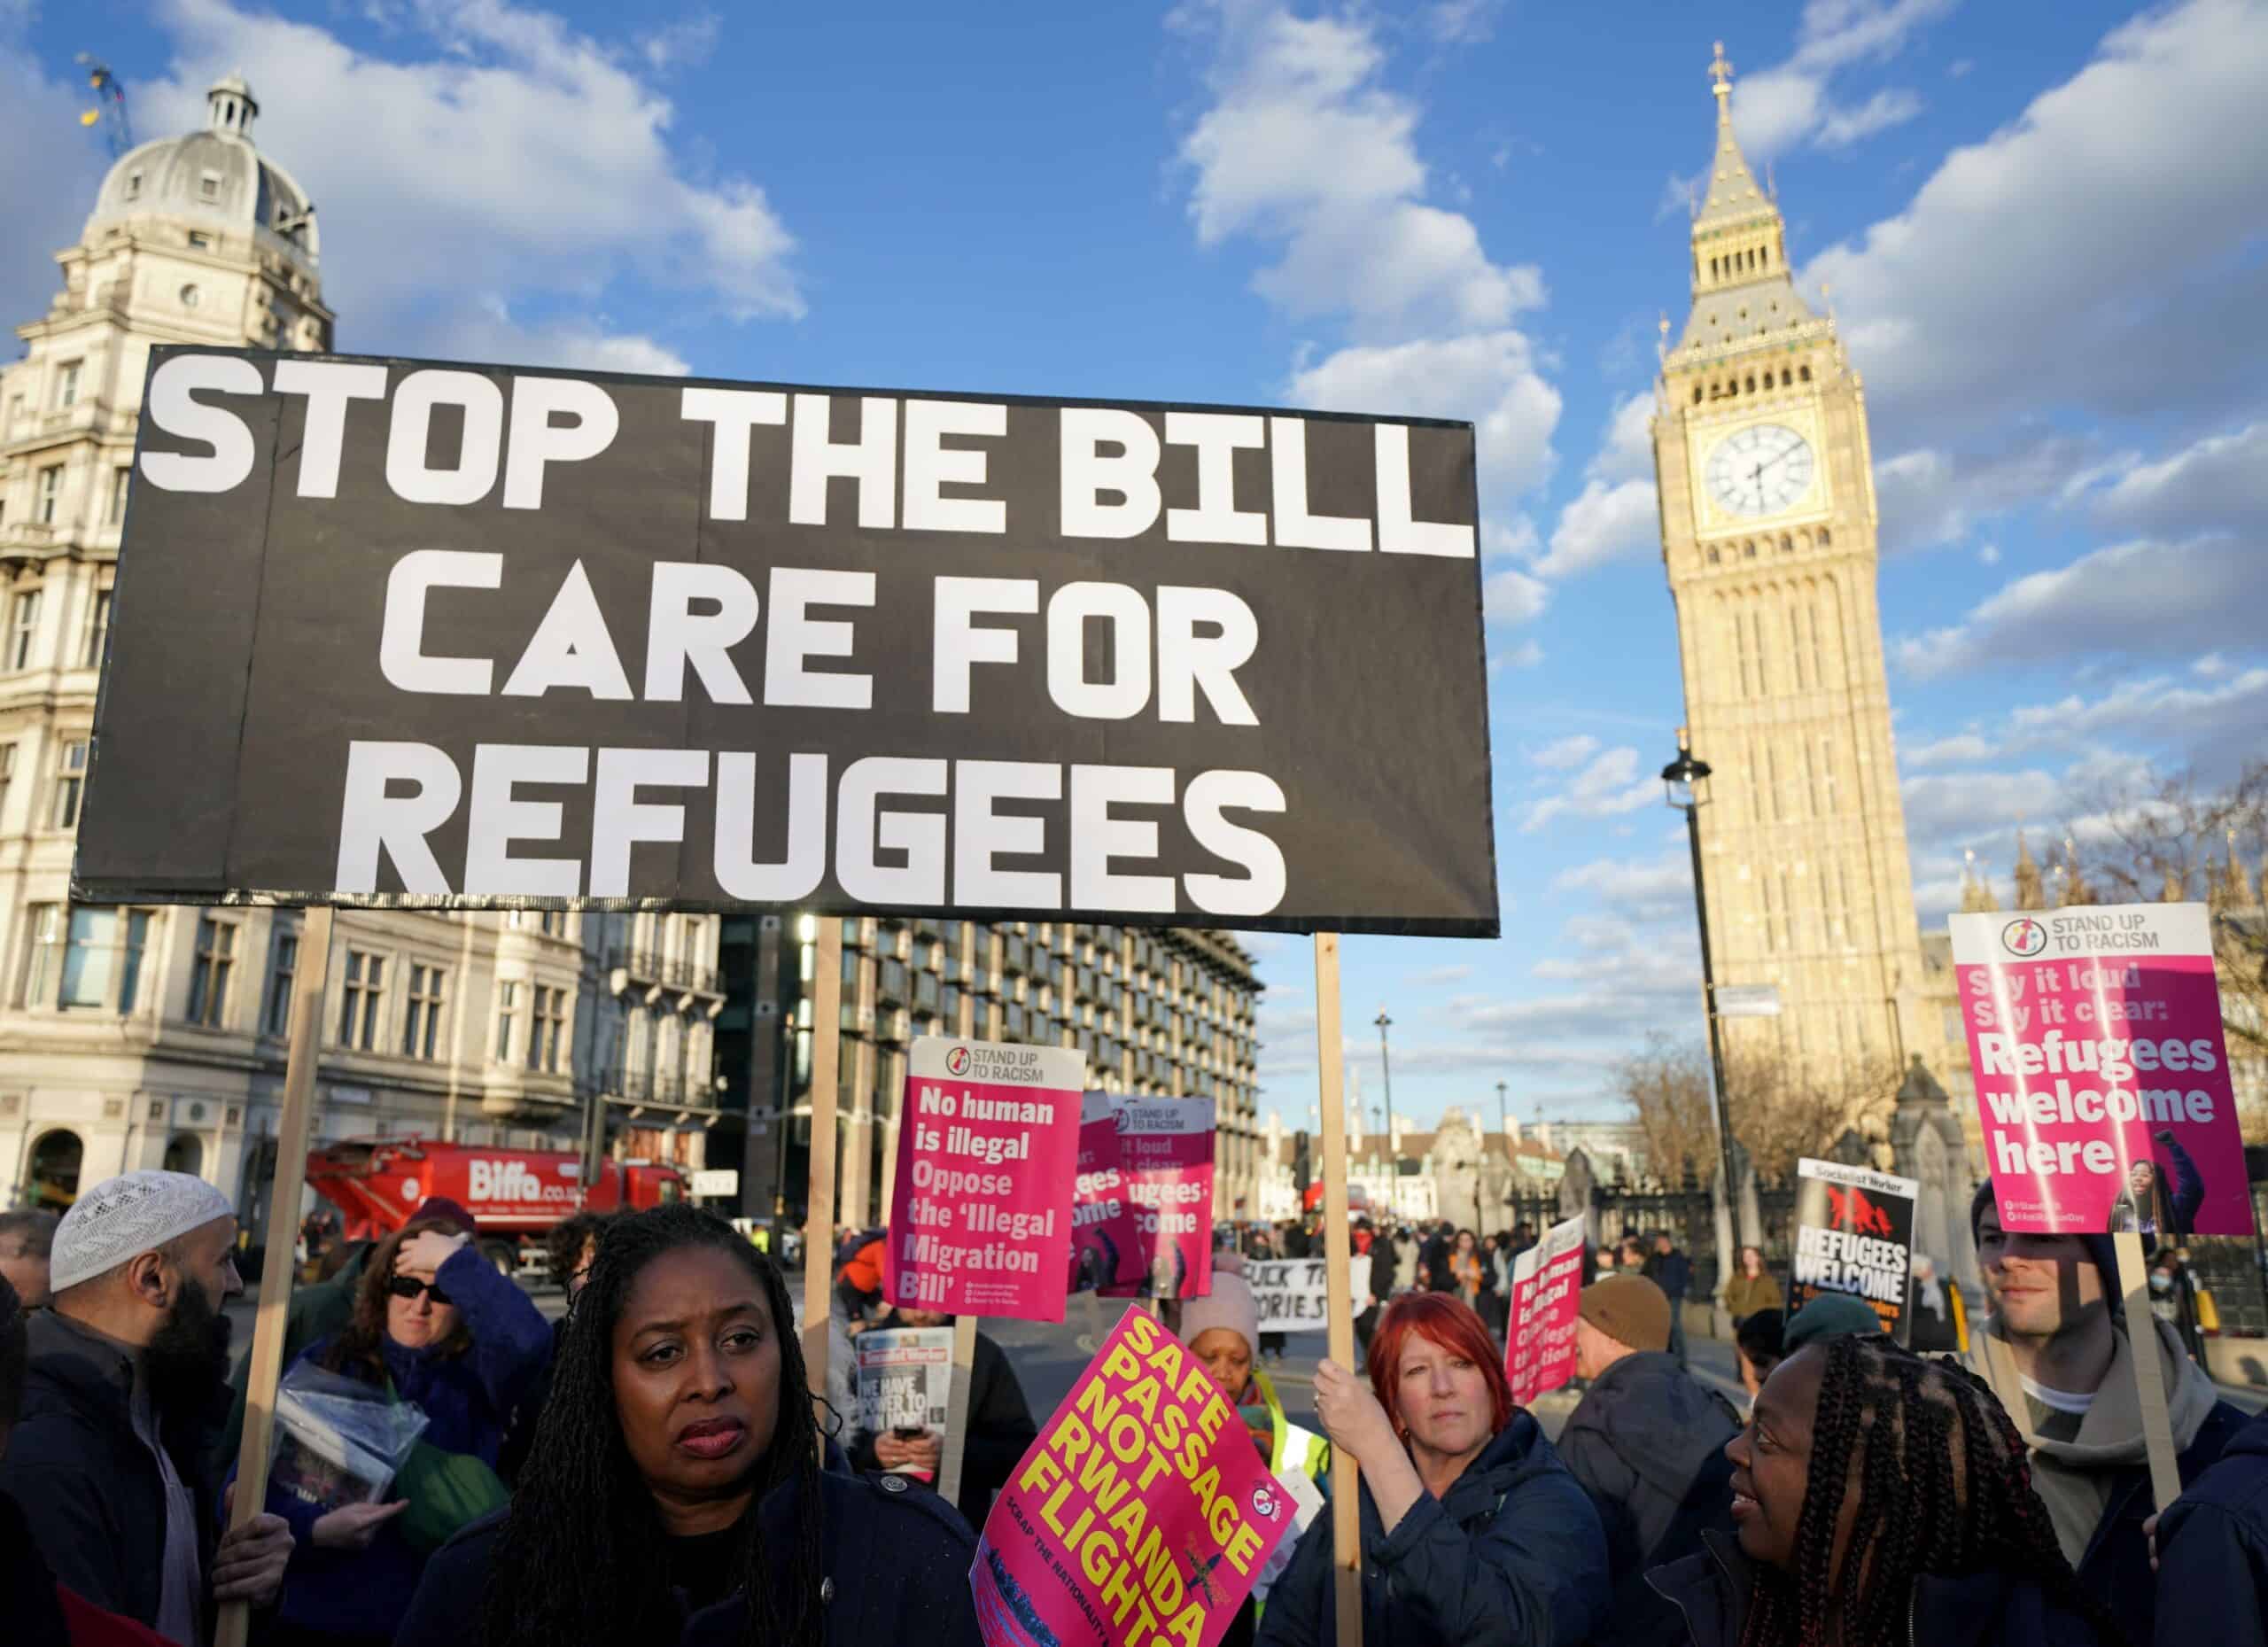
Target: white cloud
{"x":504,"y":158}
{"x":1489,"y":377}
{"x":1526,"y":654}
{"x":1988,"y":555}
{"x":1463,"y":22}
{"x":1614,"y":516}
{"x":2084,"y":255}
{"x":2139,"y":599}
{"x":1842,"y":127}
{"x":1654,"y":888}
{"x":686,"y":43}
{"x":1512,"y":540}
{"x":2158,"y":706}
{"x":2220,"y":480}
{"x":2212,"y":666}
{"x":1956,"y":750}
{"x":1778,"y":108}
{"x":1635,"y":962}
{"x":1301,"y":145}
{"x":1567,"y":754}
{"x":1603,"y":523}
{"x":1608,"y":786}
{"x":1434,"y":977}
{"x":1510,"y":596}
{"x":486,"y":330}
{"x":1966,"y":807}
{"x":1627,"y":451}
{"x":52,"y":170}
{"x":1930,"y":497}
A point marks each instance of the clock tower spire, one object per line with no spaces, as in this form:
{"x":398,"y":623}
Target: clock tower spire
{"x":1767,"y":514}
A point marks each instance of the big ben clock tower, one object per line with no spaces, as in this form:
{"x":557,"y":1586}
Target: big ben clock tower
{"x":1767,"y":516}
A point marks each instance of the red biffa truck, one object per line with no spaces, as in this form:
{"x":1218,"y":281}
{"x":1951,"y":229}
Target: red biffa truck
{"x":517,"y":1195}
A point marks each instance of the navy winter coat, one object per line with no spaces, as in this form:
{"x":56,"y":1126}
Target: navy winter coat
{"x":470,"y":1398}
{"x":1988,"y":1609}
{"x":2213,"y":1549}
{"x":1512,"y":1557}
{"x":2116,"y":1569}
{"x":896,"y":1564}
{"x":90,"y":1488}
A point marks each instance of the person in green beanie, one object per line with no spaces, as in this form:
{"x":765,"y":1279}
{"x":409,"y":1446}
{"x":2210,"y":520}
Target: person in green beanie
{"x":1829,"y":1315}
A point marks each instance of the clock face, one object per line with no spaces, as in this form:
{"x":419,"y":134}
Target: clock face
{"x":1761,"y":470}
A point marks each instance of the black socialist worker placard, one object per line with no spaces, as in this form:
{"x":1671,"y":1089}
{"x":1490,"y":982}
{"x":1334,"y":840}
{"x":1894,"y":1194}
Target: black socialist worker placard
{"x":1855,"y":1233}
{"x":397,"y":633}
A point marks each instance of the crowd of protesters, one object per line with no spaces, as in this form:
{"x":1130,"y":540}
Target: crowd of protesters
{"x":652,"y":1466}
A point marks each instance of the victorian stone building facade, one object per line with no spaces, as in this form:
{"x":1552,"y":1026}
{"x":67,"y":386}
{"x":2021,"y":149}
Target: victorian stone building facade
{"x":147,"y":1036}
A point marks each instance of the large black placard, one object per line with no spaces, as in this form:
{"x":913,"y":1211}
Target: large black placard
{"x":389,"y":632}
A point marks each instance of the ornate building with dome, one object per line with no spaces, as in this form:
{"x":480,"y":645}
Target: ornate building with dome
{"x":141,"y":1037}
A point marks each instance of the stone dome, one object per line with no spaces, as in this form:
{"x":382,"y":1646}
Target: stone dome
{"x":215,"y":176}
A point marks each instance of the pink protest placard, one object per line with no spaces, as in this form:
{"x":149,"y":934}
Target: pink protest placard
{"x":1106,"y":1248}
{"x":2102,"y":1079}
{"x":1547,"y":1285}
{"x":1142,"y":1514}
{"x":1165,"y":1150}
{"x":986,"y":1148}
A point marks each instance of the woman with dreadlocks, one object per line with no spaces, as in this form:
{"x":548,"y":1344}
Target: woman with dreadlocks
{"x":675,"y":1492}
{"x":1882,"y":1500}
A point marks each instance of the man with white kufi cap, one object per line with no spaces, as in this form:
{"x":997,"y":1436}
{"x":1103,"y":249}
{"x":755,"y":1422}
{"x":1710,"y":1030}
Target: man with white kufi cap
{"x":127,"y":1375}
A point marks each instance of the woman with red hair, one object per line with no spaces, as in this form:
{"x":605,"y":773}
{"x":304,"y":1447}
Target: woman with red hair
{"x":1473,"y":1532}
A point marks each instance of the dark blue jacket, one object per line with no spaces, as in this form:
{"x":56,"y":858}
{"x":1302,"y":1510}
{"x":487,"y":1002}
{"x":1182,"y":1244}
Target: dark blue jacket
{"x":1512,"y":1557}
{"x":896,"y":1565}
{"x":1672,"y":1271}
{"x":2116,"y":1567}
{"x":90,"y":1490}
{"x":2213,"y":1549}
{"x":469,"y":1400}
{"x":1990,"y":1609}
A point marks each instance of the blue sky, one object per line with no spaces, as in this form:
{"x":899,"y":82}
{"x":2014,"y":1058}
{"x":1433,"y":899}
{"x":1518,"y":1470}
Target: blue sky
{"x":2046,"y":247}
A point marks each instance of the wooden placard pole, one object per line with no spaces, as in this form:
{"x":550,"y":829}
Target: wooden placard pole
{"x":957,"y":1409}
{"x":267,"y":1366}
{"x":2149,"y":1370}
{"x":1345,"y":1509}
{"x":819,"y":1215}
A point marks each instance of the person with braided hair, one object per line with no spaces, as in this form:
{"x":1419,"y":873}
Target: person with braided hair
{"x":675,"y":1492}
{"x":1881,"y":1499}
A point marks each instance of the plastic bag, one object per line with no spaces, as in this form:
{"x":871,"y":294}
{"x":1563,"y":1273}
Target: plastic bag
{"x":338,"y":1440}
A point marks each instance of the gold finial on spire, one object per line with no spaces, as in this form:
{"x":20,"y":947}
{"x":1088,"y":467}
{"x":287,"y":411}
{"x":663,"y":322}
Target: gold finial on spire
{"x":1721,"y":76}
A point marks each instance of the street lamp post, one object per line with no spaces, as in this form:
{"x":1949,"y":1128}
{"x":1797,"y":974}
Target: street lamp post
{"x":1385,"y":1071}
{"x":1685,"y":780}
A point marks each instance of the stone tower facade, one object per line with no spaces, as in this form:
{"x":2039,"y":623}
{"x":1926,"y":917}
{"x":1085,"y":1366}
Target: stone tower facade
{"x":1767,"y":521}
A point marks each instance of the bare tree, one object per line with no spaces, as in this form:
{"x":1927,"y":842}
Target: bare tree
{"x":2171,"y":838}
{"x":1783,"y":1109}
{"x":1667,"y":1089}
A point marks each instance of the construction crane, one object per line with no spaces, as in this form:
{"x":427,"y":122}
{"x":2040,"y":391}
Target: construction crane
{"x":109,"y":105}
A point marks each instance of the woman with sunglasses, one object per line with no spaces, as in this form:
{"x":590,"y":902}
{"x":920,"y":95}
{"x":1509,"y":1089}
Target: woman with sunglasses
{"x":436,"y":1325}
